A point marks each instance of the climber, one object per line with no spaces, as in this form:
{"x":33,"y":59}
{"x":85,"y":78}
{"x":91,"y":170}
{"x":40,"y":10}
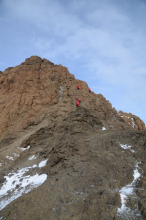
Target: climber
{"x":78,"y":87}
{"x":77,"y":103}
{"x":79,"y":99}
{"x":89,"y":90}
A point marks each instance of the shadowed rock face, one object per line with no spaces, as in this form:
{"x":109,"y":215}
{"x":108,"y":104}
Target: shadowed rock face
{"x":86,"y":165}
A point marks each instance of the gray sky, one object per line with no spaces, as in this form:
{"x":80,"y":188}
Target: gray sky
{"x":100,"y":42}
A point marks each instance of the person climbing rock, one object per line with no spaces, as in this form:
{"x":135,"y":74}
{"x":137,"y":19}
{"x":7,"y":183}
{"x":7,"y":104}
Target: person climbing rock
{"x":79,"y":99}
{"x":89,"y":90}
{"x":77,"y":103}
{"x":78,"y":87}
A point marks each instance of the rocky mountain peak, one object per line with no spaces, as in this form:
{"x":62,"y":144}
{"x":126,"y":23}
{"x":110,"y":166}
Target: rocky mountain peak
{"x":75,"y":162}
{"x":30,"y":89}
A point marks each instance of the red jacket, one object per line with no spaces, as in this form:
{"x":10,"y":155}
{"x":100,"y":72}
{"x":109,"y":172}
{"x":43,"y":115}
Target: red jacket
{"x":89,"y":89}
{"x":78,"y":87}
{"x":77,"y":103}
{"x":79,"y":99}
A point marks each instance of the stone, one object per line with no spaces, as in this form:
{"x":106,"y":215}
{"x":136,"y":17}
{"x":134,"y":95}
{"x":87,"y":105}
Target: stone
{"x":86,"y":165}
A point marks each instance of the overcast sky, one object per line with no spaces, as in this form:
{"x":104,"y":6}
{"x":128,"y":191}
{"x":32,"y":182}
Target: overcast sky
{"x":100,"y":42}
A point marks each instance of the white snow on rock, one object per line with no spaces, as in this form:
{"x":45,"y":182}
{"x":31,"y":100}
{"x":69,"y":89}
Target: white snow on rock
{"x":103,"y":128}
{"x":23,"y":149}
{"x":123,"y":116}
{"x":34,"y":166}
{"x":16,"y":155}
{"x":136,"y":174}
{"x":0,"y":164}
{"x":132,"y":119}
{"x":126,"y":191}
{"x":125,"y":147}
{"x":133,"y":123}
{"x":9,"y":158}
{"x":18,"y":183}
{"x":42,"y":163}
{"x":32,"y":157}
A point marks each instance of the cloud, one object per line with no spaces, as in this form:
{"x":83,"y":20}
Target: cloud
{"x":102,"y":43}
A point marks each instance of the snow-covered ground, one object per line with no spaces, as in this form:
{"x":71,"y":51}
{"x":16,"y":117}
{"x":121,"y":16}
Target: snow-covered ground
{"x":20,"y":182}
{"x":32,"y":157}
{"x":23,"y":149}
{"x":42,"y":163}
{"x":125,"y":212}
{"x":125,"y":147}
{"x":9,"y":158}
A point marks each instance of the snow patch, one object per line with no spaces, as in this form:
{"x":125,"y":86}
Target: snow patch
{"x":42,"y":163}
{"x":0,"y":164}
{"x":132,"y":119}
{"x":32,"y":157}
{"x":9,"y":158}
{"x":136,"y":174}
{"x":103,"y":128}
{"x":34,"y":166}
{"x":126,"y":191}
{"x":18,"y":183}
{"x":125,"y":147}
{"x":23,"y":149}
{"x":133,"y":123}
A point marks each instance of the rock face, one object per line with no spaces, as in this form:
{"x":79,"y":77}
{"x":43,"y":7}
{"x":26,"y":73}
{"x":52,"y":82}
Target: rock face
{"x":83,"y":147}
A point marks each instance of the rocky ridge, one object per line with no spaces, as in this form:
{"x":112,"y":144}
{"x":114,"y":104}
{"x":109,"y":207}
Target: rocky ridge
{"x":85,"y":164}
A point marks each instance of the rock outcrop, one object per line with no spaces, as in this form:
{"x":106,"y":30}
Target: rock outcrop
{"x":90,"y":152}
{"x":28,"y":90}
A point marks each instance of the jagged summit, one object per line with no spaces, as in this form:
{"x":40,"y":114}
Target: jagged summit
{"x":64,"y":161}
{"x":37,"y":88}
